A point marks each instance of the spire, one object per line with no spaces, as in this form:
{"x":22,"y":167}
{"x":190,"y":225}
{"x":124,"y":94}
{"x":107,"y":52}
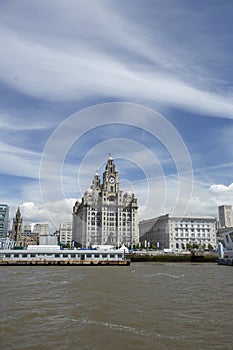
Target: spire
{"x":18,"y":214}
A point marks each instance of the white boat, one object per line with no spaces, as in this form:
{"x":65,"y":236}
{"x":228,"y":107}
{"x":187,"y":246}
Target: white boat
{"x":225,"y":248}
{"x":53,"y":255}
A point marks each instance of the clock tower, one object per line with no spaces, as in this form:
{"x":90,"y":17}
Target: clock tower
{"x":110,"y":178}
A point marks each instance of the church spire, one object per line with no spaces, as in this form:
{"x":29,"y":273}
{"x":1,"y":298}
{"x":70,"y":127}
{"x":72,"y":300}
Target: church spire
{"x":17,"y":227}
{"x":18,"y":214}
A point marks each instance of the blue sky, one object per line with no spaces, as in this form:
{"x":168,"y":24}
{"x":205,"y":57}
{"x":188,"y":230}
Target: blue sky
{"x":148,"y":81}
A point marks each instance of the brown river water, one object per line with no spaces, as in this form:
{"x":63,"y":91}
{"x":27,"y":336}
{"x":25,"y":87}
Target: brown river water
{"x":142,"y":306}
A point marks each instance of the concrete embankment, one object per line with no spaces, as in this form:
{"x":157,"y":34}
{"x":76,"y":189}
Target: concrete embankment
{"x":204,"y":258}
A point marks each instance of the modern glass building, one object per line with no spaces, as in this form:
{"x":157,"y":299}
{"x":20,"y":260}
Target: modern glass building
{"x":4,"y":220}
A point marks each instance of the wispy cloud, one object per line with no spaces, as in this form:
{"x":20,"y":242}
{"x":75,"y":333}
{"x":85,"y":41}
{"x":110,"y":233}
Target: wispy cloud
{"x":33,"y":66}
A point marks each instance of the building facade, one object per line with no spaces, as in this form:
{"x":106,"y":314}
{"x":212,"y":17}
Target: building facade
{"x":4,"y":220}
{"x":17,"y":228}
{"x":65,"y":233}
{"x":179,"y":233}
{"x":41,"y":229}
{"x":28,"y":236}
{"x":106,"y":215}
{"x":225,"y":216}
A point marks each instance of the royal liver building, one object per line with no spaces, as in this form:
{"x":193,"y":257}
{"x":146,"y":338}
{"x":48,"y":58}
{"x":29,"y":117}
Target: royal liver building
{"x":106,"y":215}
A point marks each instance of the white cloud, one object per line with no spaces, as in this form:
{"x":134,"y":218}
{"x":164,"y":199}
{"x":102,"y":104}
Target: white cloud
{"x":221,"y":189}
{"x":19,"y":161}
{"x":57,"y":212}
{"x":11,"y":123}
{"x":81,"y":68}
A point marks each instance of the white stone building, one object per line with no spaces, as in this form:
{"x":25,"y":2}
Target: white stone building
{"x":65,"y":233}
{"x":178,"y":233}
{"x":106,"y":215}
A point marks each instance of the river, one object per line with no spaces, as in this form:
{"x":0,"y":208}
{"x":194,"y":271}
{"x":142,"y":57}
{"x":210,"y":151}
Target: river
{"x":143,"y":306}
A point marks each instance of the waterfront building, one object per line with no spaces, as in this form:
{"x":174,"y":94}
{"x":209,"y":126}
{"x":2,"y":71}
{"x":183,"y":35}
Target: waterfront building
{"x":178,"y":232}
{"x":225,"y":216}
{"x":65,"y":233}
{"x":17,"y":228}
{"x":106,"y":215}
{"x":4,"y":220}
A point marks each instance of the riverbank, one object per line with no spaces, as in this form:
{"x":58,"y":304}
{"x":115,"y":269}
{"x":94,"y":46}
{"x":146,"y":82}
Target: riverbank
{"x":190,"y":258}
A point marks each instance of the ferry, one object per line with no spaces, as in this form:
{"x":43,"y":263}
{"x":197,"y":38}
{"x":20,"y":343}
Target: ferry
{"x":53,"y":255}
{"x":225,"y":248}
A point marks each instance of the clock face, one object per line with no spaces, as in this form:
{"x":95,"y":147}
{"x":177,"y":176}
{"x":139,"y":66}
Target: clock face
{"x":111,"y":179}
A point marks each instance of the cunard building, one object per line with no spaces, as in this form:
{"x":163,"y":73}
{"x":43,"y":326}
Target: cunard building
{"x":106,"y":215}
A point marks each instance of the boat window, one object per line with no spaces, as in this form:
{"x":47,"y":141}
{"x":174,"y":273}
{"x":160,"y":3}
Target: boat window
{"x":33,"y":255}
{"x":119,"y":255}
{"x":112,"y":256}
{"x":96,"y":255}
{"x":57,"y":255}
{"x":65,"y":255}
{"x":7,"y":255}
{"x":89,"y":255}
{"x":104,"y":255}
{"x":24,"y":255}
{"x":73,"y":255}
{"x":16,"y":255}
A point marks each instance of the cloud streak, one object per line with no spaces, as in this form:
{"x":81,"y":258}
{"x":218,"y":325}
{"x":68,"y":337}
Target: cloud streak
{"x":36,"y":68}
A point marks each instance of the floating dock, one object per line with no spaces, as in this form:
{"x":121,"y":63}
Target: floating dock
{"x":53,"y":255}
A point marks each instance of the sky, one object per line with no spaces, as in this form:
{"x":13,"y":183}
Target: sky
{"x":150,"y":82}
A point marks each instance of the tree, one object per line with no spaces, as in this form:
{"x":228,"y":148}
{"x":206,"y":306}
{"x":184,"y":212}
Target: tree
{"x":196,"y":246}
{"x":210,"y":247}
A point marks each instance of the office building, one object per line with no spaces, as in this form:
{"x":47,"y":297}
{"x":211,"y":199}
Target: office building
{"x":4,"y":220}
{"x":41,"y":229}
{"x":65,"y":233}
{"x":225,"y":216}
{"x":179,"y":233}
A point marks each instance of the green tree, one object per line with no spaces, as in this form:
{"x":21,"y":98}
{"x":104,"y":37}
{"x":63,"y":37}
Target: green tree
{"x":210,"y":247}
